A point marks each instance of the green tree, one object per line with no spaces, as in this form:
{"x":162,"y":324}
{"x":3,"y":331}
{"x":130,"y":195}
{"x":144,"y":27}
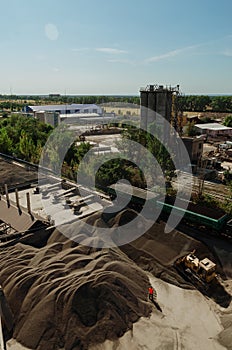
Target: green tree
{"x":206,"y":120}
{"x":191,"y":131}
{"x":23,"y":133}
{"x":73,"y":158}
{"x":221,"y":104}
{"x":5,"y":142}
{"x":153,"y":148}
{"x":228,"y":121}
{"x":54,"y":152}
{"x":194,"y":103}
{"x":27,"y":146}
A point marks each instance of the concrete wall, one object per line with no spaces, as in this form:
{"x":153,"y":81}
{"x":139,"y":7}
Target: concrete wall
{"x":194,"y":147}
{"x":52,"y":118}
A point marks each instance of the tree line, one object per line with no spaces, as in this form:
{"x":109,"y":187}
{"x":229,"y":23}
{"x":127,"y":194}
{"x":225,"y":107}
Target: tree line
{"x":191,"y":103}
{"x":16,"y":103}
{"x":202,"y":103}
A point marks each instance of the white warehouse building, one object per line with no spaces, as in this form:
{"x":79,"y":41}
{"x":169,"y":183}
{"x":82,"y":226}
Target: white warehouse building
{"x":64,"y":108}
{"x":55,"y":114}
{"x":214,"y":129}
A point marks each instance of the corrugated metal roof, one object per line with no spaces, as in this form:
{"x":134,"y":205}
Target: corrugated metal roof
{"x":103,"y":119}
{"x":62,"y":107}
{"x":212,"y":126}
{"x":20,"y":221}
{"x":79,"y":115}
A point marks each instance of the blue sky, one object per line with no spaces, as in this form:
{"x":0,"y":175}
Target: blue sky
{"x":115,"y":47}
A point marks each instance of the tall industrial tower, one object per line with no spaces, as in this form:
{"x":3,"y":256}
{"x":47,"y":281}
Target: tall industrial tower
{"x":158,"y":100}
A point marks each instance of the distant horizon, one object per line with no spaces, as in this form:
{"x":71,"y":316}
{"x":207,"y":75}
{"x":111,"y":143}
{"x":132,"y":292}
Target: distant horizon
{"x":113,"y":95}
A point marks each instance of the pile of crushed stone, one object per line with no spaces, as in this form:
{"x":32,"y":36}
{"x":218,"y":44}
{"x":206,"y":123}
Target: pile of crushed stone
{"x":70,"y":296}
{"x":225,"y":337}
{"x":14,"y":175}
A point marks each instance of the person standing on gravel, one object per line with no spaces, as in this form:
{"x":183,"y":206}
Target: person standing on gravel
{"x":151,"y":293}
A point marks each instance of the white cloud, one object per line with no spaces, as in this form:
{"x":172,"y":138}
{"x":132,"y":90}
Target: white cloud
{"x":121,"y":61}
{"x":110,"y":50}
{"x":163,"y":56}
{"x":170,"y":54}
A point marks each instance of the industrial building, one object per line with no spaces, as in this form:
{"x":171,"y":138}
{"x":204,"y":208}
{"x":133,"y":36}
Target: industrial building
{"x":157,"y":100}
{"x":92,"y":119}
{"x":194,"y":146}
{"x":65,"y":108}
{"x":213,"y":129}
{"x":79,"y":117}
{"x":55,"y":114}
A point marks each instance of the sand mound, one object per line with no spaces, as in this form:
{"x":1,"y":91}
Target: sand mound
{"x":188,"y":322}
{"x":225,"y":336}
{"x":70,"y":297}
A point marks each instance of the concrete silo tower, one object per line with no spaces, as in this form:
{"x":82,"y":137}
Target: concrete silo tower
{"x":157,"y":100}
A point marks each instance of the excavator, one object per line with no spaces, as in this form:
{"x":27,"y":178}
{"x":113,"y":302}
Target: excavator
{"x":200,"y":272}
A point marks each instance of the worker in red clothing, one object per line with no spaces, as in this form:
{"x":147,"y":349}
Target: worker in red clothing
{"x":151,"y":293}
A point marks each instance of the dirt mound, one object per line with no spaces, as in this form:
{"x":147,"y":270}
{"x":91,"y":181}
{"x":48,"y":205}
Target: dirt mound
{"x":14,"y":175}
{"x":225,"y":336}
{"x":70,"y":297}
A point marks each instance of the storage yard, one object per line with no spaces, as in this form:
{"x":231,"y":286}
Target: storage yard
{"x":68,"y":295}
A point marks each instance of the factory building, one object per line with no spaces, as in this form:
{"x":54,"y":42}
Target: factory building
{"x":213,"y":129}
{"x":194,"y":146}
{"x":51,"y":118}
{"x":91,"y":119}
{"x":64,"y":109}
{"x":157,"y":100}
{"x":55,"y":114}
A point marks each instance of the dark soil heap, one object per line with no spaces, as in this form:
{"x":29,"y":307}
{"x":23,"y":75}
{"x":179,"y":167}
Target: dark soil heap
{"x":69,"y":296}
{"x":14,"y":175}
